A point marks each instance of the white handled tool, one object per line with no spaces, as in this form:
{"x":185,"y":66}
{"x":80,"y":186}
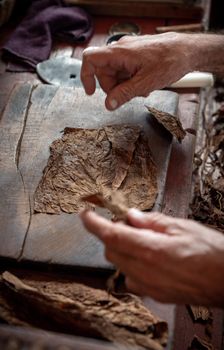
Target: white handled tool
{"x":195,"y":79}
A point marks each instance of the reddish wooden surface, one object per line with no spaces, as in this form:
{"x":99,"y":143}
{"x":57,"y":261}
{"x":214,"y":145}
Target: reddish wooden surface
{"x":154,"y":9}
{"x":102,"y":26}
{"x":179,"y":177}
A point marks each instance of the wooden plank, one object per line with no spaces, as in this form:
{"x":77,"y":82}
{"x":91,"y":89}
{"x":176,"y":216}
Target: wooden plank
{"x":61,"y":239}
{"x":177,"y":197}
{"x":141,"y":8}
{"x":179,"y":178}
{"x":14,"y":203}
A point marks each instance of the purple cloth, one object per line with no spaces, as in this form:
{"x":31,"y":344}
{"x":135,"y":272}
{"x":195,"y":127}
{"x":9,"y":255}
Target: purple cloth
{"x":31,"y":42}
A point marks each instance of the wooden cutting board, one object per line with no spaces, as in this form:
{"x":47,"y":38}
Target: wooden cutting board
{"x":33,"y":118}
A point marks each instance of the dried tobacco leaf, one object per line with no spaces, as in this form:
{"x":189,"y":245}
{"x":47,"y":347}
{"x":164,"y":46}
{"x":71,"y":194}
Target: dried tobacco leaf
{"x":208,"y":202}
{"x":86,"y":161}
{"x":170,"y":122}
{"x":115,"y":203}
{"x":200,"y":313}
{"x":77,"y":309}
{"x":200,"y":344}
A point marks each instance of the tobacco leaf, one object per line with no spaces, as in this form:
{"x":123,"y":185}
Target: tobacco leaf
{"x":141,"y":193}
{"x":170,"y":122}
{"x":200,"y":313}
{"x":86,"y":161}
{"x":115,"y":203}
{"x":77,"y":309}
{"x":200,"y":344}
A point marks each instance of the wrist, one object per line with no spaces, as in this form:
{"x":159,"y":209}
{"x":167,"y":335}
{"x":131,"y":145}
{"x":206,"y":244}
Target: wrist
{"x":205,"y":52}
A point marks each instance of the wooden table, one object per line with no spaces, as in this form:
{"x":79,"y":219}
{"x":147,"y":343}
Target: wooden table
{"x":23,"y":254}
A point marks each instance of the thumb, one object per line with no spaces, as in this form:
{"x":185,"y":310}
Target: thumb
{"x":121,"y":94}
{"x":154,"y":221}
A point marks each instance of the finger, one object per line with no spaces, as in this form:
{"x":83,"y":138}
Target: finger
{"x":121,"y":237}
{"x":121,"y":94}
{"x":108,"y":78}
{"x":94,"y":58}
{"x":113,"y":234}
{"x":154,"y":221}
{"x":88,"y":71}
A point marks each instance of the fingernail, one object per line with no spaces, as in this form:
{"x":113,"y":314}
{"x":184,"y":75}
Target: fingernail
{"x":113,"y":104}
{"x":135,"y":213}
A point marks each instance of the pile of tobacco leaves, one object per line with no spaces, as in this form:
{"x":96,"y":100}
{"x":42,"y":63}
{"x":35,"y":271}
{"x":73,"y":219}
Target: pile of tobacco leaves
{"x":208,"y":200}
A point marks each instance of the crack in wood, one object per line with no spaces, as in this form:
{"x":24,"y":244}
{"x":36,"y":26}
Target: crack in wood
{"x":18,"y":147}
{"x":30,"y":218}
{"x":17,"y":158}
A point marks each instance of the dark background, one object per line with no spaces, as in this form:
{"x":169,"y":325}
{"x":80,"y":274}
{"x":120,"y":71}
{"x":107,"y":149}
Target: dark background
{"x":217,"y":15}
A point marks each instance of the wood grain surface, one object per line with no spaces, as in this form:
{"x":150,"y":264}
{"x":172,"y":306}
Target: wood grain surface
{"x":45,"y":112}
{"x":14,"y":202}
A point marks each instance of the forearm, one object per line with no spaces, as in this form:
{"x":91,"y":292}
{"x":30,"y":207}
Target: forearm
{"x":206,"y":52}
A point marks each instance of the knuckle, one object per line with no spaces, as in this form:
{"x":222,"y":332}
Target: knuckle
{"x":84,"y":54}
{"x":177,"y":226}
{"x":90,"y":49}
{"x":124,"y":39}
{"x":127,"y":92}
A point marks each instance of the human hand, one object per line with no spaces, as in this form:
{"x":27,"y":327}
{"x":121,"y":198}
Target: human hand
{"x":172,"y":260}
{"x":135,"y":66}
